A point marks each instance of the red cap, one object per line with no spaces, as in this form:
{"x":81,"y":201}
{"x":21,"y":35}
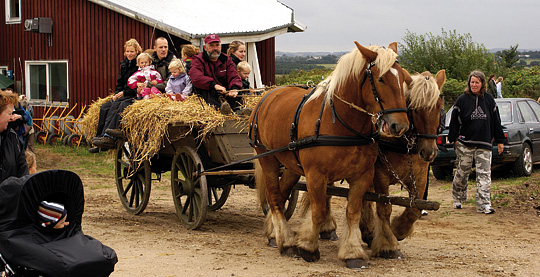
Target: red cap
{"x":211,"y":38}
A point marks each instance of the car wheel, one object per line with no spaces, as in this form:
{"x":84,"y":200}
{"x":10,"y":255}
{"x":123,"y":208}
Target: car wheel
{"x":442,"y":172}
{"x":523,"y":166}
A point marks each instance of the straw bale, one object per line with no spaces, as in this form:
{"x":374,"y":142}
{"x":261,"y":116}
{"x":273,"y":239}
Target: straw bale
{"x":90,"y":119}
{"x":145,"y":123}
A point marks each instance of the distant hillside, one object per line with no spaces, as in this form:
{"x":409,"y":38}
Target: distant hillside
{"x":308,"y":54}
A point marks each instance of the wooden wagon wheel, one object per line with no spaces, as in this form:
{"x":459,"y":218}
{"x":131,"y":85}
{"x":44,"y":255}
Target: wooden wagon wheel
{"x":133,"y":189}
{"x":217,"y":197}
{"x":189,"y":190}
{"x":290,"y":205}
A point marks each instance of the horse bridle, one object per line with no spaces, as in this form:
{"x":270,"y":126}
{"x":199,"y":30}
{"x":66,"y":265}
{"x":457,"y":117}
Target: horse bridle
{"x":368,"y":74}
{"x":440,"y":128}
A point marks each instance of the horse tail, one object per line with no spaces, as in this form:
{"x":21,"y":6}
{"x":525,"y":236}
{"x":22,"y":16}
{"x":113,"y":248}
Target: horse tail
{"x":259,"y":183}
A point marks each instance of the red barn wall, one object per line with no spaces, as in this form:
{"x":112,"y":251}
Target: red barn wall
{"x":91,"y":39}
{"x":266,"y":51}
{"x":88,"y":36}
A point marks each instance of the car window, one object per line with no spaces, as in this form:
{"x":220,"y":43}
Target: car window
{"x":536,"y":108}
{"x":526,"y":112}
{"x":505,"y":110}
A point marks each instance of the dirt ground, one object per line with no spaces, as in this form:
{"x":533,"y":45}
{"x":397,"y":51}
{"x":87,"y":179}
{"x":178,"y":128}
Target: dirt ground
{"x":231,"y":241}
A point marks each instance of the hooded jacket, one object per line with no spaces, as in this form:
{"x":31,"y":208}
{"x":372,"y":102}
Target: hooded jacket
{"x":12,"y":158}
{"x":127,"y":68}
{"x":475,"y":121}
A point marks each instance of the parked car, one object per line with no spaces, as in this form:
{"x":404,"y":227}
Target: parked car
{"x":520,"y":118}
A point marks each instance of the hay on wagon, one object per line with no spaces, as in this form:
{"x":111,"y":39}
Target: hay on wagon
{"x":145,"y":122}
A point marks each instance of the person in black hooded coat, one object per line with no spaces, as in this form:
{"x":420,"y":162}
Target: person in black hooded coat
{"x":122,"y":93}
{"x":12,"y":159}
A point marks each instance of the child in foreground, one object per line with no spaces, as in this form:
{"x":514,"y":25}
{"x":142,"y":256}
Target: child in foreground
{"x":31,"y":161}
{"x":52,"y":215}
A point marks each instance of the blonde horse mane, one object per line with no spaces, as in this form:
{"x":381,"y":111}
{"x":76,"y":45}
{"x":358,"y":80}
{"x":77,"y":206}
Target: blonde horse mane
{"x":423,"y":92}
{"x":351,"y":65}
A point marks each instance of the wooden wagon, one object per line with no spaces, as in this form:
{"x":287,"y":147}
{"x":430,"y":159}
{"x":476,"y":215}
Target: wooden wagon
{"x":195,"y":191}
{"x":195,"y":188}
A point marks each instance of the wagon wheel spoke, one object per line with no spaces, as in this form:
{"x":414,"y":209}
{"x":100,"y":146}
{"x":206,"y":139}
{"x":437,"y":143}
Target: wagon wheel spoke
{"x":189,"y":190}
{"x":128,"y":187}
{"x":133,"y":189}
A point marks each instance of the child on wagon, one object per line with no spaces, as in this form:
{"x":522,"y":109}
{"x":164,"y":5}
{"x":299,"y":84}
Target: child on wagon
{"x":179,"y":85}
{"x":244,"y":69}
{"x":145,"y":75}
{"x":52,"y":215}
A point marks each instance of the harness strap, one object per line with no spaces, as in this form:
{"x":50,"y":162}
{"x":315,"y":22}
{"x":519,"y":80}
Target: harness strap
{"x":427,"y":136}
{"x":335,"y":114}
{"x":311,"y":141}
{"x":253,"y":126}
{"x":396,"y":147}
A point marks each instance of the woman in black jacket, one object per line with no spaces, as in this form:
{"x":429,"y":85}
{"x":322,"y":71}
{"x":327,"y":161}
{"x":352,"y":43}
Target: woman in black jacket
{"x":12,"y":159}
{"x":122,"y":93}
{"x":474,"y":125}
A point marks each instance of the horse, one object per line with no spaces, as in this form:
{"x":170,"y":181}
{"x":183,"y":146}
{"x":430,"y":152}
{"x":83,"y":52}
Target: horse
{"x":330,"y":135}
{"x":410,"y":161}
{"x":418,"y":148}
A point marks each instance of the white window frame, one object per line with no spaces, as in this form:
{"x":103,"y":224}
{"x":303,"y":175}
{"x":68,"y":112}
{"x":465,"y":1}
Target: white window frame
{"x":39,"y":102}
{"x":10,"y":19}
{"x":3,"y":67}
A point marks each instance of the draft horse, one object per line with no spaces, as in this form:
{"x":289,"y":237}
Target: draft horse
{"x":405,"y":161}
{"x":331,"y":135}
{"x":408,"y":158}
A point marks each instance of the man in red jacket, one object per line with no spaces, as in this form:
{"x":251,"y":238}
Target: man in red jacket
{"x":215,"y":77}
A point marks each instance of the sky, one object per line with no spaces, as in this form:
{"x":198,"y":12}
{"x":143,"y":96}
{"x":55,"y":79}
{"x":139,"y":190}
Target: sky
{"x":333,"y":26}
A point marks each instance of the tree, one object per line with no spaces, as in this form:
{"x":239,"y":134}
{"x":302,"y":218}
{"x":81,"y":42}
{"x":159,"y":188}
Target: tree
{"x":508,"y":57}
{"x":457,"y":53}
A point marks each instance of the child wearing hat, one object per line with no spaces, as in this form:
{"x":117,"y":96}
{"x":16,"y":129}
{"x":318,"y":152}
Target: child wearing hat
{"x":52,"y":215}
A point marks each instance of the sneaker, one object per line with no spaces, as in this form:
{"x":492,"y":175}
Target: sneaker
{"x":457,"y":204}
{"x":117,"y":133}
{"x":225,"y":108}
{"x":105,"y":142}
{"x":424,"y":213}
{"x":486,"y":210}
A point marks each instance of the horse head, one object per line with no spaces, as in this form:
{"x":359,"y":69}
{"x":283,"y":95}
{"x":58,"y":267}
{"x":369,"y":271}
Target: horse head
{"x":382,"y":88}
{"x":424,"y":104}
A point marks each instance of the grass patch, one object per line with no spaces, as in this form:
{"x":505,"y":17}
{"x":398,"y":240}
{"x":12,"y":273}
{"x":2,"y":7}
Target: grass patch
{"x":76,"y":159}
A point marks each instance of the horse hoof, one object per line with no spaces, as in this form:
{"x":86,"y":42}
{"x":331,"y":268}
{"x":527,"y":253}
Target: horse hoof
{"x":392,"y":255}
{"x":290,"y":252}
{"x":356,"y":263}
{"x":328,"y":235}
{"x":272,"y":243}
{"x":309,"y":256}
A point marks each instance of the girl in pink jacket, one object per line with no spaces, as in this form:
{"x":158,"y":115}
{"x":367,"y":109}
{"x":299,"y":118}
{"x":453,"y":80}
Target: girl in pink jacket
{"x":144,"y":77}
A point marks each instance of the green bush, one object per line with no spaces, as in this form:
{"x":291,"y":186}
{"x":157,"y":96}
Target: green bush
{"x":522,"y":83}
{"x":451,"y":90}
{"x":301,"y":77}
